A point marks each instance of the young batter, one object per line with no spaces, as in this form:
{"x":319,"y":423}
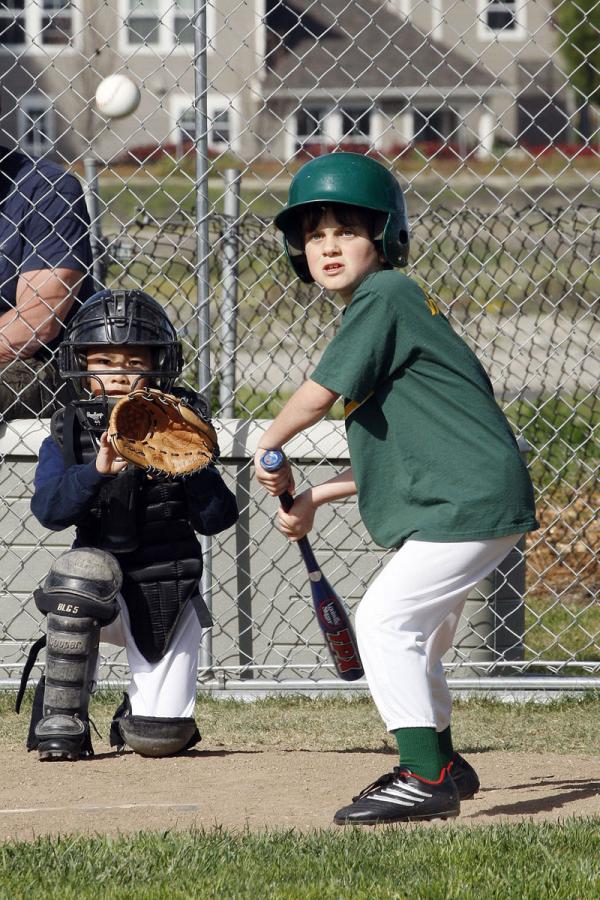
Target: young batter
{"x":136,"y":563}
{"x":435,"y":465}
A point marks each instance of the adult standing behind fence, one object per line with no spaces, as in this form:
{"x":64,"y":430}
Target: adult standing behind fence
{"x":45,"y":264}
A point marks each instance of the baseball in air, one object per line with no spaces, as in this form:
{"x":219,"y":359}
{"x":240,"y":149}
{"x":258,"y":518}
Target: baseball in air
{"x":117,"y":96}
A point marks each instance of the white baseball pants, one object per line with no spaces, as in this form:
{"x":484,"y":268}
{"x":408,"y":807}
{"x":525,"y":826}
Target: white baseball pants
{"x":407,"y":621}
{"x":167,"y":688}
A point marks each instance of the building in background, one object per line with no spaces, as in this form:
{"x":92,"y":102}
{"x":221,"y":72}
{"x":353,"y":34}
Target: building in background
{"x":285,"y":76}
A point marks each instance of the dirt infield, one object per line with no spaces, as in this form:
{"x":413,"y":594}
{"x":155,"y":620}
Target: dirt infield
{"x":263,"y":789}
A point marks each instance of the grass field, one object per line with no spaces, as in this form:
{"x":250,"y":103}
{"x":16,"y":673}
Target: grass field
{"x":332,"y":723}
{"x":162,"y":199}
{"x":523,"y":860}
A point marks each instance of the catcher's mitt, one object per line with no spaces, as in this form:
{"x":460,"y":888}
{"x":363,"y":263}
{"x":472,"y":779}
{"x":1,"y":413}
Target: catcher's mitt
{"x":161,"y":433}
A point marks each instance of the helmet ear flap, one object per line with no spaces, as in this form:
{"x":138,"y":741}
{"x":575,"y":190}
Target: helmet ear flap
{"x":168,"y":359}
{"x":396,"y":240}
{"x":298,"y":262}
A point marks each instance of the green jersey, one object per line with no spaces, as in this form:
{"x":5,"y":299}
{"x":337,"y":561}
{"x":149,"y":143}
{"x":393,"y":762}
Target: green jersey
{"x":433,"y":456}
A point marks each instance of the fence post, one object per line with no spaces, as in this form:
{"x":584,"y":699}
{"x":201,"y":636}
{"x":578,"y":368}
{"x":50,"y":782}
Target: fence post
{"x":202,"y":274}
{"x":243,"y":555}
{"x":92,"y":199}
{"x":229,"y":280}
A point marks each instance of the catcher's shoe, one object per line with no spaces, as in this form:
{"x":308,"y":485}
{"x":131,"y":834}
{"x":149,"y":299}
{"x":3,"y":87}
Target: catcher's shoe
{"x":402,"y":796}
{"x":63,"y":738}
{"x":464,"y":777}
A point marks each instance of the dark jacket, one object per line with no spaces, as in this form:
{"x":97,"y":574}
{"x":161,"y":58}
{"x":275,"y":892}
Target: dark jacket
{"x":148,"y":523}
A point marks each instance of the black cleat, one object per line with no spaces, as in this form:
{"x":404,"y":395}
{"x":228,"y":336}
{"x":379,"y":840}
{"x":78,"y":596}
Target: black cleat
{"x":402,"y":796}
{"x":63,"y":738}
{"x":464,"y":777}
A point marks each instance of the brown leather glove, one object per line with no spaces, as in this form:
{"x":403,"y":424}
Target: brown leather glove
{"x":161,"y":433}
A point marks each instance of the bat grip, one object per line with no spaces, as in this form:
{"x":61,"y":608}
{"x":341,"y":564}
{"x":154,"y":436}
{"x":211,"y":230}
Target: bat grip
{"x":273,"y":461}
{"x":286,"y":500}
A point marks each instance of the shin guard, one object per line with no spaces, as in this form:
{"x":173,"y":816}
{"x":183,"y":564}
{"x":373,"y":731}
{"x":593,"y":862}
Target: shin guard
{"x":78,"y":597}
{"x":71,"y":656}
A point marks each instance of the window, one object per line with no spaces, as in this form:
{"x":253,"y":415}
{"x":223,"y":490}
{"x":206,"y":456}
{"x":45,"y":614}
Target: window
{"x":356,"y":124}
{"x":183,"y":30}
{"x":500,"y":15}
{"x":323,"y":126}
{"x":143,"y":22}
{"x":47,"y":23}
{"x":220,"y":134}
{"x":435,"y":126}
{"x":504,"y":19}
{"x":186,"y":125}
{"x":57,"y":22}
{"x":309,"y":125}
{"x":12,"y":22}
{"x":162,"y":24}
{"x":35,"y":122}
{"x":219,"y":127}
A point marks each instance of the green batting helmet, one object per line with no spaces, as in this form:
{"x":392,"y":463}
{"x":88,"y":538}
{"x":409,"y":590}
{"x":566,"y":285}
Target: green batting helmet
{"x":355,"y":180}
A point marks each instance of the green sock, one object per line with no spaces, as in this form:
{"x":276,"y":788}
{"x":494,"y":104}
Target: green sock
{"x":445,"y":745}
{"x":420,"y":751}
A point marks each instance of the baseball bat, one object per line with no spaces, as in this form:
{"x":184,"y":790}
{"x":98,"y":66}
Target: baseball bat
{"x":330,"y":610}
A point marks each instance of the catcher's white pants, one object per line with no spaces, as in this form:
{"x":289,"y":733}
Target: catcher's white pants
{"x":167,"y":688}
{"x":407,"y":620}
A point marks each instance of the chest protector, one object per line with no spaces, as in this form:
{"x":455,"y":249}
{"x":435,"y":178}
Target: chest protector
{"x":144,"y":522}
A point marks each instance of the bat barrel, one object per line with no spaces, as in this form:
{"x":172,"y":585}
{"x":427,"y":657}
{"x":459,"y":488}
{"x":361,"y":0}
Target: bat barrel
{"x":331,"y":614}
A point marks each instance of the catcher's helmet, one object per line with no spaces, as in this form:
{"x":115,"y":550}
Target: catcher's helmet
{"x":354,"y":180}
{"x":113,"y":318}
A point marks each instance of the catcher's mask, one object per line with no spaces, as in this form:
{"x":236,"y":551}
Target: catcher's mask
{"x":115,"y":318}
{"x":354,"y":180}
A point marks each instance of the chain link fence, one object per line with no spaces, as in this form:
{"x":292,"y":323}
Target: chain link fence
{"x":488,"y":113}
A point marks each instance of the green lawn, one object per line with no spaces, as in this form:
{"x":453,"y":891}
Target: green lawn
{"x":562,"y":630}
{"x":510,"y":861}
{"x":124,"y":199}
{"x":323,"y":724}
{"x":523,"y":860}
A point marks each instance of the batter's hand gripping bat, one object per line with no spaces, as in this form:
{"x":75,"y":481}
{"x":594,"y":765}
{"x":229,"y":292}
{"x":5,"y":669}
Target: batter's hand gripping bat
{"x":331,"y":613}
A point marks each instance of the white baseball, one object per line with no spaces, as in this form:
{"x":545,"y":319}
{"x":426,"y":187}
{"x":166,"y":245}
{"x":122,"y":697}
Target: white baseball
{"x":117,"y":96}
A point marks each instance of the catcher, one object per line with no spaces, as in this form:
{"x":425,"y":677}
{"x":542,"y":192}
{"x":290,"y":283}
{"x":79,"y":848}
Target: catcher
{"x":132,"y":577}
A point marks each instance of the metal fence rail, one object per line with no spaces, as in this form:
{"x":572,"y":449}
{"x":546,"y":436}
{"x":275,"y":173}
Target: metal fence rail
{"x":487,"y":112}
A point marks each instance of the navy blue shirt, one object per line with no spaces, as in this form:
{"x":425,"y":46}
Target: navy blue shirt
{"x":44,"y":224}
{"x":63,"y":495}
